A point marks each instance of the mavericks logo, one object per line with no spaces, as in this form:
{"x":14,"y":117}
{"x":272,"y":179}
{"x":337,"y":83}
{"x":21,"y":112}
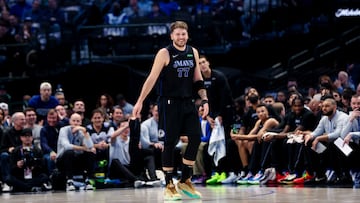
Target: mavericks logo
{"x":183,"y":67}
{"x":183,"y":63}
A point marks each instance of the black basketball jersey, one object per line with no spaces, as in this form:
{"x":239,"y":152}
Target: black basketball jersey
{"x":176,"y":79}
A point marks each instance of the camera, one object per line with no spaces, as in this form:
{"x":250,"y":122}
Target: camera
{"x":28,"y":157}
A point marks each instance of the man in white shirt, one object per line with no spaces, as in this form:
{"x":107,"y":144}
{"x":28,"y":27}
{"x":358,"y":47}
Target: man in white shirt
{"x":327,"y":131}
{"x":351,"y":135}
{"x":151,"y":138}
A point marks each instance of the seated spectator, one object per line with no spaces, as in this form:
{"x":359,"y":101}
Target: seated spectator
{"x":100,"y":133}
{"x":7,"y":117}
{"x":268,"y":99}
{"x":328,"y":129}
{"x":62,"y":114}
{"x":136,"y":9}
{"x":79,"y":107}
{"x":353,"y":69}
{"x":127,"y":162}
{"x":345,"y":100}
{"x":10,"y":140}
{"x":343,"y":81}
{"x":35,"y":12}
{"x":30,"y":119}
{"x":124,"y":104}
{"x":169,"y":6}
{"x":145,"y":5}
{"x":155,"y":13}
{"x":19,"y":8}
{"x":44,"y":101}
{"x":281,"y":97}
{"x":324,"y":82}
{"x":25,"y":100}
{"x":28,"y":170}
{"x":75,"y":153}
{"x":48,"y":139}
{"x":115,"y":17}
{"x":286,"y":142}
{"x":117,"y":117}
{"x":351,"y":136}
{"x":53,"y":13}
{"x":150,"y":137}
{"x":106,"y":103}
{"x":259,"y":158}
{"x":60,"y":96}
{"x":2,"y":128}
{"x":204,"y":7}
{"x":15,"y":29}
{"x":28,"y":32}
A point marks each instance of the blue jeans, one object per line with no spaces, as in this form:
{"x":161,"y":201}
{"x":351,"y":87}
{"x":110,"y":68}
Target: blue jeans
{"x":5,"y":166}
{"x":49,"y":163}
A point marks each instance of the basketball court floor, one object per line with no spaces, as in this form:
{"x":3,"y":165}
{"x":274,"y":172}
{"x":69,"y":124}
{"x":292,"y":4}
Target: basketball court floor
{"x":218,"y":194}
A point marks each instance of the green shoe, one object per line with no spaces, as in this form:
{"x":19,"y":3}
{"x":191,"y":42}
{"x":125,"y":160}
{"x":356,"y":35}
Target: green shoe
{"x":221,"y":177}
{"x":102,"y":163}
{"x":214,"y":178}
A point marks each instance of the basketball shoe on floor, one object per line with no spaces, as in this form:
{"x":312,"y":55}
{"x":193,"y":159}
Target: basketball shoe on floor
{"x":304,"y":178}
{"x":244,"y":180}
{"x":170,"y":193}
{"x":231,"y":179}
{"x":188,"y":189}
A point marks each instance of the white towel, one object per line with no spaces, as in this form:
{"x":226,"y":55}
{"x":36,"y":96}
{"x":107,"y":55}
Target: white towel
{"x":217,"y":142}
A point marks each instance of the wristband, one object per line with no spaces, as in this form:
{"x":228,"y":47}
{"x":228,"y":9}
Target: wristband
{"x":204,"y":101}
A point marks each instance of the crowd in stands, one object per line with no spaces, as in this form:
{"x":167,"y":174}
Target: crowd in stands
{"x":67,"y":150}
{"x":40,"y":28}
{"x":32,"y":26}
{"x":52,"y":144}
{"x":270,"y":138}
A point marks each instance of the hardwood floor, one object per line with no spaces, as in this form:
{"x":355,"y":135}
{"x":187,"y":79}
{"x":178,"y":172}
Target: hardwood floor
{"x":221,"y":193}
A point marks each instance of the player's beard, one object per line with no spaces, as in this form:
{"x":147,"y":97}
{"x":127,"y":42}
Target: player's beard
{"x":180,"y":44}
